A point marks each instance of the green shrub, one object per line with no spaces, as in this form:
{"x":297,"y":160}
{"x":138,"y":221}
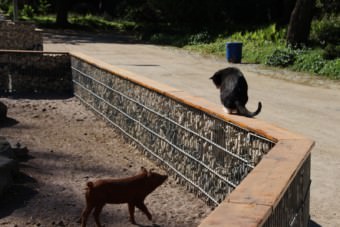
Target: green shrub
{"x":309,"y":62}
{"x":326,"y":31}
{"x":331,"y":52}
{"x":43,"y":7}
{"x":253,"y":52}
{"x":267,"y":34}
{"x":257,"y":44}
{"x":10,"y":11}
{"x":4,"y":5}
{"x":199,"y":38}
{"x":165,"y":39}
{"x":281,"y":57}
{"x":27,"y":11}
{"x":331,"y":69}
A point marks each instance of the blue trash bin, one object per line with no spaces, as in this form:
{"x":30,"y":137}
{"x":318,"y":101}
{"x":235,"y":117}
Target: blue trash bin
{"x":234,"y":52}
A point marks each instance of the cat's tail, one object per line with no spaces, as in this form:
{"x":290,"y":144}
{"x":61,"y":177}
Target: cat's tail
{"x":242,"y":110}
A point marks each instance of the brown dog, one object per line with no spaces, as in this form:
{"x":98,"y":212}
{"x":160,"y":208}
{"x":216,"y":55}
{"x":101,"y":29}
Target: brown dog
{"x":130,"y":190}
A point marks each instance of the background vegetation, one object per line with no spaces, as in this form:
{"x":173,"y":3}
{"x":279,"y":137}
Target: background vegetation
{"x":206,"y":26}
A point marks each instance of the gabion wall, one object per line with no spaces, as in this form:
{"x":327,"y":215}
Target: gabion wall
{"x":208,"y":155}
{"x":35,"y":72}
{"x":293,"y":209}
{"x":19,"y":36}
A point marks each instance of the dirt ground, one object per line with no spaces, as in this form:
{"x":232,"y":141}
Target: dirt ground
{"x":68,"y":146}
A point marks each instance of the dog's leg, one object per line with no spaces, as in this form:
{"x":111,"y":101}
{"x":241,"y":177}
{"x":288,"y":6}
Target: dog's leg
{"x":96,"y":214}
{"x":132,"y":212}
{"x":144,"y":209}
{"x":85,"y":215}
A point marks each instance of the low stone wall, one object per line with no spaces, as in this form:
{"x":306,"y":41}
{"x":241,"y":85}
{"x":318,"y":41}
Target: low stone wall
{"x":19,"y":36}
{"x":35,"y":72}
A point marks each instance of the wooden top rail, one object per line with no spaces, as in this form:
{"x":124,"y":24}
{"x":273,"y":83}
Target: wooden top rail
{"x":257,"y":126}
{"x":31,"y":52}
{"x":252,"y":202}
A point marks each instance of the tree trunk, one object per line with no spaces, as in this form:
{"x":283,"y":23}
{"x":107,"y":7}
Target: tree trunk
{"x":282,"y":9}
{"x":62,"y":12}
{"x":300,"y":22}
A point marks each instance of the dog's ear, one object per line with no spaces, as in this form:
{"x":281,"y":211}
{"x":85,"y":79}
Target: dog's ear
{"x":143,"y":169}
{"x":151,"y":171}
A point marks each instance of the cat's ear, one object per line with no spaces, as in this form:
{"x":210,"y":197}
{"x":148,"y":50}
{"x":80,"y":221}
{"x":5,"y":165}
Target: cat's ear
{"x":216,"y":78}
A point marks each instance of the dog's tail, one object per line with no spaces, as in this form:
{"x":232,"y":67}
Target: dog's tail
{"x":242,"y":110}
{"x":89,"y":186}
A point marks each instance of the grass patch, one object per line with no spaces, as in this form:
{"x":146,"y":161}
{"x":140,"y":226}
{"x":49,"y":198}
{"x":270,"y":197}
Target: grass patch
{"x":257,"y":44}
{"x":268,"y":46}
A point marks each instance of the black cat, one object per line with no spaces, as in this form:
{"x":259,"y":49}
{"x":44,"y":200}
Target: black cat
{"x":234,"y":91}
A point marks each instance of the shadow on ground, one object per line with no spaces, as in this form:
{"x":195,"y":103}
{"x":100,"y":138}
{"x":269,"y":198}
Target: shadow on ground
{"x":75,"y":37}
{"x":8,"y":122}
{"x":37,"y":96}
{"x":17,"y":196}
{"x":51,"y":202}
{"x":313,"y":224}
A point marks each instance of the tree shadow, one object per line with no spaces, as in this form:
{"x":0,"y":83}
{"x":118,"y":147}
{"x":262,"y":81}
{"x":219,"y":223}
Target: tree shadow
{"x":23,"y":189}
{"x":152,"y":225}
{"x":37,"y":96}
{"x":77,"y":36}
{"x":8,"y":122}
{"x":313,"y":224}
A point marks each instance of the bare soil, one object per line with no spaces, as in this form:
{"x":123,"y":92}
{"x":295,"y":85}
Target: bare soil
{"x":68,"y":146}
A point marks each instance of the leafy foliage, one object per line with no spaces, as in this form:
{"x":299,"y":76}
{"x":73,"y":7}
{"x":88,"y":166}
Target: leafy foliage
{"x":331,"y":52}
{"x":4,"y":5}
{"x":199,"y":38}
{"x":328,"y":7}
{"x":257,"y":44}
{"x":326,"y":31}
{"x":282,"y":58}
{"x":43,"y":7}
{"x":27,"y":11}
{"x":331,"y":69}
{"x":311,"y":62}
